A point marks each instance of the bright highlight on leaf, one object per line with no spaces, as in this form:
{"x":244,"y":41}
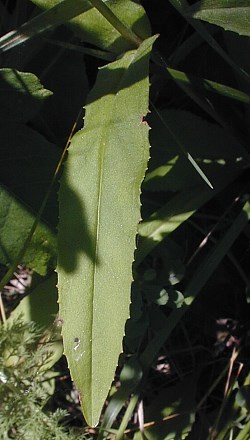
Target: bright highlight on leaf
{"x":232,"y":15}
{"x":99,"y":213}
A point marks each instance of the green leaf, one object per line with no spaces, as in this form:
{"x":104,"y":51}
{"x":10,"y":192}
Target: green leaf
{"x":93,"y":28}
{"x":22,"y":95}
{"x":232,"y":15}
{"x":15,"y":224}
{"x":99,"y":210}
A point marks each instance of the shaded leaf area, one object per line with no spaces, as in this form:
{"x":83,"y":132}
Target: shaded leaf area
{"x":212,"y":147}
{"x":93,"y":28}
{"x":67,"y":81}
{"x":22,"y":95}
{"x":15,"y":224}
{"x":220,"y":157}
{"x":99,"y":212}
{"x":232,"y":15}
{"x":27,"y":164}
{"x":171,"y":415}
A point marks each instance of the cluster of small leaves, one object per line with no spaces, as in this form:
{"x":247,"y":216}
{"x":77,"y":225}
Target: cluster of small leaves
{"x":24,"y":391}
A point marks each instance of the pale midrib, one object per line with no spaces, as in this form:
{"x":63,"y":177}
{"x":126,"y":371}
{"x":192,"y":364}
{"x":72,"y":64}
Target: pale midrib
{"x":101,"y":156}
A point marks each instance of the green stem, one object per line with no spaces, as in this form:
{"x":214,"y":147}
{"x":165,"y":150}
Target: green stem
{"x":124,"y":30}
{"x":127,"y":416}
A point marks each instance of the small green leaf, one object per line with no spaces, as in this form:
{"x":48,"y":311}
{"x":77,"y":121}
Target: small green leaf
{"x":99,"y":211}
{"x":232,"y":15}
{"x":22,"y":95}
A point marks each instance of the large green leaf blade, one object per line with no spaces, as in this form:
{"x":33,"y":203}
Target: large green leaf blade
{"x":99,"y":212}
{"x":232,"y":15}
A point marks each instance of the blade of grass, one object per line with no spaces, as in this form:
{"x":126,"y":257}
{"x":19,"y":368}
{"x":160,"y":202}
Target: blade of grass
{"x":244,"y":433}
{"x":127,"y":416}
{"x":45,"y":21}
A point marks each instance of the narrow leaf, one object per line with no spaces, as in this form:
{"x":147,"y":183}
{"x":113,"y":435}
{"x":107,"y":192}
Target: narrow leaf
{"x":99,"y":211}
{"x":232,"y":15}
{"x":208,"y":86}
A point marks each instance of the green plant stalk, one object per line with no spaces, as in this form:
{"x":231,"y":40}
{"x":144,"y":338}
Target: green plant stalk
{"x":125,"y":31}
{"x":127,"y":416}
{"x":244,"y":434}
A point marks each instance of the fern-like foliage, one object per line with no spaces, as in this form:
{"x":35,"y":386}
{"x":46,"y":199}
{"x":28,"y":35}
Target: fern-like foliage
{"x":25,"y":388}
